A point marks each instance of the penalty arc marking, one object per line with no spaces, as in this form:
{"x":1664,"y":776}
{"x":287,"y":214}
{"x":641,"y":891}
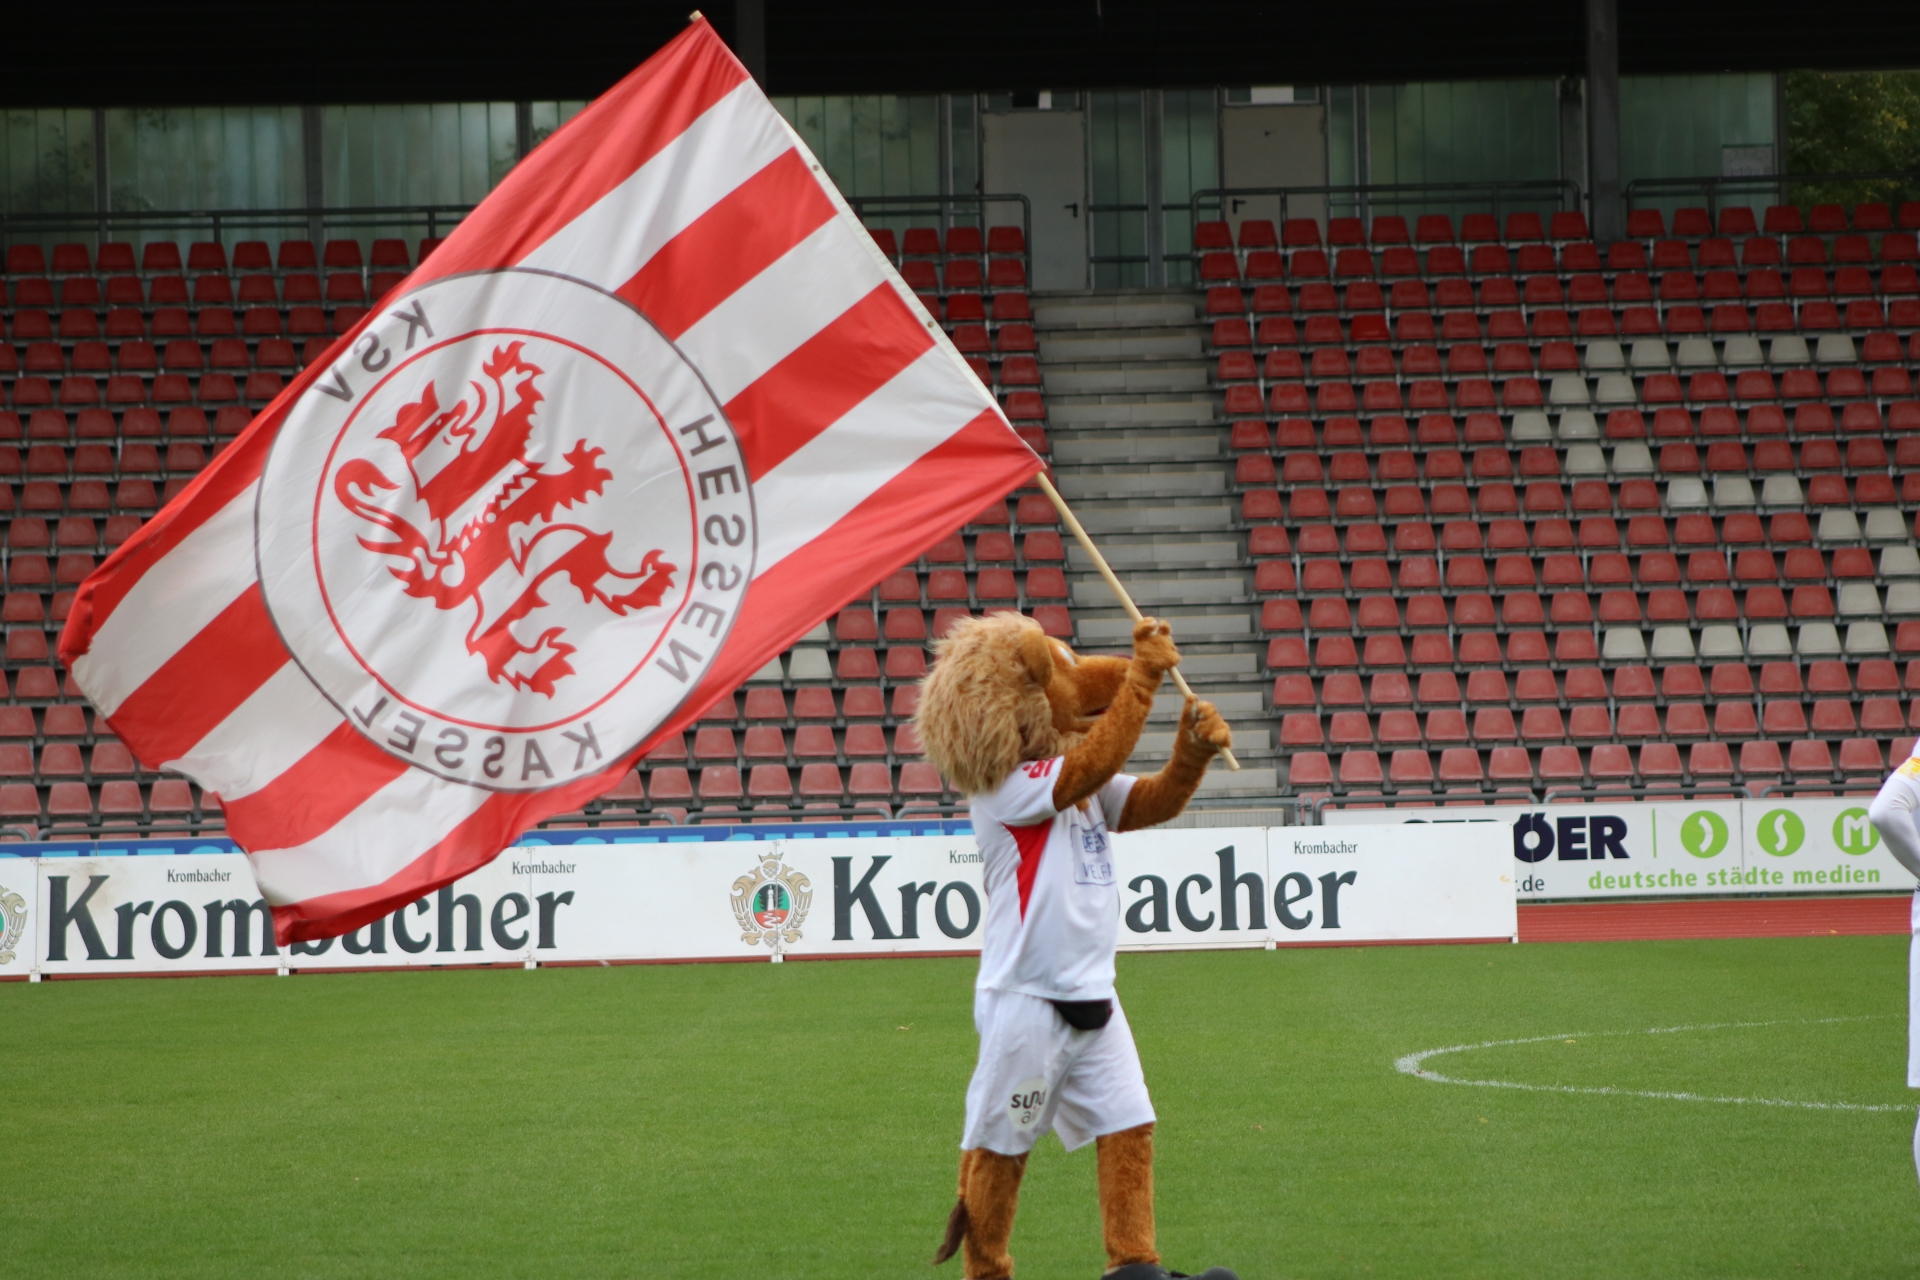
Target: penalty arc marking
{"x":1414,"y":1064}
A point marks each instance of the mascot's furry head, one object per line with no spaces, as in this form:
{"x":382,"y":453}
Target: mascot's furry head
{"x":1002,"y":692}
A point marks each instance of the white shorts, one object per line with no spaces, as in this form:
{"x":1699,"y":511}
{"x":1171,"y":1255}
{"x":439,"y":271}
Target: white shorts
{"x":1038,"y":1075}
{"x":1913,"y":999}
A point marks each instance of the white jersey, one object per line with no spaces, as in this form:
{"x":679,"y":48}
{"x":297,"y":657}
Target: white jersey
{"x":1053,"y":906}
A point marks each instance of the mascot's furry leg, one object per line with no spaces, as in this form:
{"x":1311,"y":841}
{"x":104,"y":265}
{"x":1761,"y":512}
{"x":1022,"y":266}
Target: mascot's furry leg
{"x":983,"y":1218}
{"x":1126,"y":1195}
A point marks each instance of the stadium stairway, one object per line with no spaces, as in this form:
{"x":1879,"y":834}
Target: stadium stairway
{"x":1140,"y":453}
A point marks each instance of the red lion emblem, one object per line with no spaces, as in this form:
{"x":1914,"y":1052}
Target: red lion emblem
{"x":481,"y":492}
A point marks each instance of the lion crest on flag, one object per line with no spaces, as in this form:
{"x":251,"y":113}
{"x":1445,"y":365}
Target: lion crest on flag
{"x":491,"y":508}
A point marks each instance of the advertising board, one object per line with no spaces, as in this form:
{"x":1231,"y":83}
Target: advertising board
{"x":611,"y":899}
{"x":1682,"y":848}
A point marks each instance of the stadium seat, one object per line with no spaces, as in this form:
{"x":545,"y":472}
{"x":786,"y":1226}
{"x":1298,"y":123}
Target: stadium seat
{"x":1519,"y":511}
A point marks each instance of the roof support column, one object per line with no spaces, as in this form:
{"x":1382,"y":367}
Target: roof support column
{"x":1603,"y":120}
{"x":750,"y":37}
{"x":313,"y":159}
{"x":1153,"y":111}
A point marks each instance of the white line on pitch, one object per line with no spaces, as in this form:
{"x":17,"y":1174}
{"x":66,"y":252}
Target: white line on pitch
{"x":1412,"y":1065}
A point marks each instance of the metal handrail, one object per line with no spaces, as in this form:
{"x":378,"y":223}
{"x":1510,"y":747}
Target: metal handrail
{"x":1229,"y":811}
{"x":1099,"y":259}
{"x":1651,"y":791}
{"x":1554,"y":795}
{"x":209,"y":825}
{"x":1430,"y":800}
{"x":942,"y":206}
{"x":662,"y":815}
{"x":1565,"y":191}
{"x":1104,"y":259}
{"x":216,"y":223}
{"x":1795,"y":788}
{"x":1713,"y":186}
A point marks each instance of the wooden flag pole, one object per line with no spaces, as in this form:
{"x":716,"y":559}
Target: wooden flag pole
{"x":1106,"y":571}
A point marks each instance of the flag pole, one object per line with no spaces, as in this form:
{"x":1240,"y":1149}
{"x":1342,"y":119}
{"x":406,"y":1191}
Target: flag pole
{"x":1106,"y":571}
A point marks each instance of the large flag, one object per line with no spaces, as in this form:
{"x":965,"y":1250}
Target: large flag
{"x":655,"y":409}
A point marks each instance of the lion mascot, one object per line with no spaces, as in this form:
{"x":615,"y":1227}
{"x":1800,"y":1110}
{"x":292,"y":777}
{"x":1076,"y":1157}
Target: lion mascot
{"x":1036,"y":735}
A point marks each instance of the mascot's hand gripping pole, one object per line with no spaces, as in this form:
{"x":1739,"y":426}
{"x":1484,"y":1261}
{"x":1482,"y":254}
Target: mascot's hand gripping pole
{"x":1100,"y":563}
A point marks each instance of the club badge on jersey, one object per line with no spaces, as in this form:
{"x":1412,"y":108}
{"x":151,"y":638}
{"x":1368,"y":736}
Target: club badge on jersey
{"x":1093,"y":853}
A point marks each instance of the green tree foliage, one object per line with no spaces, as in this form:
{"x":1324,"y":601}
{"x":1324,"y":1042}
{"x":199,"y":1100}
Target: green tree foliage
{"x":1854,"y":122}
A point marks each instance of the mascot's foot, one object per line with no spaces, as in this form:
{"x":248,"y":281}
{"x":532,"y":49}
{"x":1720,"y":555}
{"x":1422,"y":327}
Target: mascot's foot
{"x":1154,"y":1271}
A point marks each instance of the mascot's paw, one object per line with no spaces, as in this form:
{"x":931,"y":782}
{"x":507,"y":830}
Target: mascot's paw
{"x":1154,"y":1271}
{"x":1153,"y":649}
{"x":1202,"y":729}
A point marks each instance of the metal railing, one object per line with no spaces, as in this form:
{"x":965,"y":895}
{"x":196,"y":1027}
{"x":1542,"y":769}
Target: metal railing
{"x":1239,"y":811}
{"x":1866,"y":783}
{"x":1715,"y":190}
{"x":1650,"y":791}
{"x":943,"y":208}
{"x":664,"y":815}
{"x":1371,"y":198}
{"x":211,"y":824}
{"x":1418,"y":800}
{"x":430,"y":220}
{"x":1553,"y":795}
{"x":1095,"y":260}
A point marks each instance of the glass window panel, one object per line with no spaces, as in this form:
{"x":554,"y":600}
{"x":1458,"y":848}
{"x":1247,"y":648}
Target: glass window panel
{"x":1675,"y":127}
{"x":1118,"y":198}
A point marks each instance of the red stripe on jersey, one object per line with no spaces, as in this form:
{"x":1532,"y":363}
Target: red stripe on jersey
{"x":202,"y":683}
{"x":862,"y":350}
{"x":747,"y":231}
{"x":1032,"y":841}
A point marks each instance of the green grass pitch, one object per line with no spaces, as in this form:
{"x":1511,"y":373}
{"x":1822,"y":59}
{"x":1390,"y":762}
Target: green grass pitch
{"x":802,"y":1120}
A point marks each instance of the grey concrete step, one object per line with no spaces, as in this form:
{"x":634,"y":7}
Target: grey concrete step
{"x":1124,"y":379}
{"x":1121,"y":447}
{"x":1229,"y":703}
{"x":1112,"y":312}
{"x":1187,"y":412}
{"x":1138,"y":448}
{"x":1221,"y":781}
{"x":1246,"y":742}
{"x":1153,"y":591}
{"x":1149,"y":345}
{"x":1142,"y":484}
{"x":1161,"y":552}
{"x":1133,"y":518}
{"x":1199,"y":668}
{"x":1197,"y":627}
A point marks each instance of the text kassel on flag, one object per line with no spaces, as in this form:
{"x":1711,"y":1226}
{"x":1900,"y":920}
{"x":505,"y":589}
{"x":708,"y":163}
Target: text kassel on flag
{"x":655,"y":409}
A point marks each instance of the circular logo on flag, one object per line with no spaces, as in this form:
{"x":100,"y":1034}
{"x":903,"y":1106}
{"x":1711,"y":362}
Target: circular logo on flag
{"x":506,"y":532}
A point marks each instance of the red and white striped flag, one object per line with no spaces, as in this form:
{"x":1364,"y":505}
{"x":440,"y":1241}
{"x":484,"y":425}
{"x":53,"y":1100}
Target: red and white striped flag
{"x":656,"y":408}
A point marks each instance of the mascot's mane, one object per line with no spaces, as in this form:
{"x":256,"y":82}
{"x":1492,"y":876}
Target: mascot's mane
{"x":982,"y":712}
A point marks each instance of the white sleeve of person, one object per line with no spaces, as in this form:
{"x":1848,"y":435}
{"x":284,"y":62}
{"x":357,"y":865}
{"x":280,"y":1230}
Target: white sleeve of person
{"x":1892,"y":814}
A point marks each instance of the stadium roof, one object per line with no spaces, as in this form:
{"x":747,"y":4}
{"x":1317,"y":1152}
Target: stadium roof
{"x":217,"y":51}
